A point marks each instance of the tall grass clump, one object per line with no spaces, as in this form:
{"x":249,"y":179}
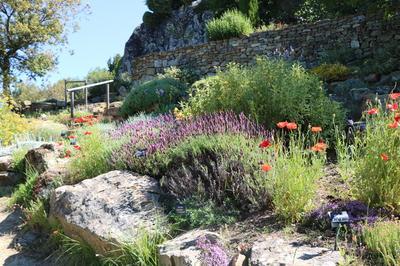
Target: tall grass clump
{"x":383,"y":241}
{"x":24,"y":193}
{"x":269,"y":92}
{"x":93,"y":156}
{"x":18,"y":160}
{"x":142,"y":252}
{"x":75,"y":252}
{"x":376,"y":179}
{"x":231,"y":24}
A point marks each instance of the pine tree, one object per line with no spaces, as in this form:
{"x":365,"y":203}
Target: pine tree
{"x":250,"y":9}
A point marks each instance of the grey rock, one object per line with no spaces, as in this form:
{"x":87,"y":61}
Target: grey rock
{"x":395,"y":76}
{"x":10,"y":178}
{"x":238,"y":260}
{"x":107,"y":209}
{"x":184,"y":27}
{"x":371,"y":78}
{"x":182,"y":251}
{"x":43,"y":158}
{"x":359,"y":94}
{"x":277,"y":251}
{"x":5,"y":163}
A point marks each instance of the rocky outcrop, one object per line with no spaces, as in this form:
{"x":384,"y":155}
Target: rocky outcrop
{"x":107,"y":209}
{"x":277,"y":251}
{"x":5,"y":163}
{"x":184,"y":250}
{"x":184,"y":27}
{"x":9,"y":178}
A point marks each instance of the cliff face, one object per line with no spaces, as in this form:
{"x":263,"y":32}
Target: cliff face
{"x":184,"y":27}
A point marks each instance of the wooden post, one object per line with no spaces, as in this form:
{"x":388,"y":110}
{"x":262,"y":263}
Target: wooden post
{"x":86,"y":96}
{"x":65,"y":94}
{"x":108,"y":96}
{"x":72,"y":103}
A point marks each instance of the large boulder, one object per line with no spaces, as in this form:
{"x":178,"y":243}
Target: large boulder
{"x":277,"y":251}
{"x":9,"y":178}
{"x":5,"y":163}
{"x":107,"y":209}
{"x":185,"y":251}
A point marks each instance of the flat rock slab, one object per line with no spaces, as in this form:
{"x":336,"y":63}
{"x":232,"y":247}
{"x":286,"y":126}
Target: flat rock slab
{"x":9,"y":178}
{"x":183,"y":250}
{"x":107,"y":209}
{"x":277,"y":251}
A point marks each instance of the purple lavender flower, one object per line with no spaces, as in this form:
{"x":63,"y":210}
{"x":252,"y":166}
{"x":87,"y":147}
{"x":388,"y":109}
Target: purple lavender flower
{"x":213,"y":254}
{"x":162,"y":132}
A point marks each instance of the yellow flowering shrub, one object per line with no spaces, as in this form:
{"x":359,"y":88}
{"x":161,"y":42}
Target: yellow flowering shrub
{"x":331,"y":72}
{"x":10,"y":123}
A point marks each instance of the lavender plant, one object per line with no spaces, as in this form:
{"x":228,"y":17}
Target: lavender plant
{"x":213,"y":254}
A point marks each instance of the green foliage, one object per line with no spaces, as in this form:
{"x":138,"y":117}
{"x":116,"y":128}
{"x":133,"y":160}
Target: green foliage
{"x":202,"y":213}
{"x":114,"y":64}
{"x":250,"y":9}
{"x":92,"y":160}
{"x":36,"y":216}
{"x":232,"y":24}
{"x":384,"y":61}
{"x":270,"y":91}
{"x":159,"y":6}
{"x":294,"y":177}
{"x":23,"y":195}
{"x":152,"y":20}
{"x":74,"y":252}
{"x":157,"y":95}
{"x":142,"y":252}
{"x":18,"y":160}
{"x":11,"y":123}
{"x":32,"y":26}
{"x":383,"y":240}
{"x":98,"y":75}
{"x":186,"y":76}
{"x":377,"y":181}
{"x":331,"y":72}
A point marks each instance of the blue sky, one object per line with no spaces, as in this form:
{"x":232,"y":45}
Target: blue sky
{"x":102,"y":34}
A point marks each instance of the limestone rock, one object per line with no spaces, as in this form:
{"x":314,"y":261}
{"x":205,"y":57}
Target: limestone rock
{"x":277,"y":251}
{"x":238,"y":260}
{"x":9,"y":178}
{"x":42,"y":158}
{"x":5,"y":163}
{"x":182,"y":251}
{"x":109,"y":208}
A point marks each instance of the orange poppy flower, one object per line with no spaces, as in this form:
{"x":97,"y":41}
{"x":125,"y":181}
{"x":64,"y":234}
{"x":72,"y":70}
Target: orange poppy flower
{"x":71,"y":137}
{"x":291,"y":126}
{"x":397,"y":117}
{"x":265,"y":144}
{"x":373,"y":111}
{"x":266,"y":168}
{"x":393,"y":125}
{"x":316,"y":129}
{"x":394,"y":96}
{"x":87,"y":133}
{"x":319,"y":147}
{"x":392,"y":107}
{"x":77,"y":147}
{"x":385,"y":157}
{"x":67,"y":154}
{"x":282,"y":125}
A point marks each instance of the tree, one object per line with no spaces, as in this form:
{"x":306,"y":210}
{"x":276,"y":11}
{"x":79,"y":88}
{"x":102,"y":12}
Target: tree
{"x":27,"y":29}
{"x":250,"y":9}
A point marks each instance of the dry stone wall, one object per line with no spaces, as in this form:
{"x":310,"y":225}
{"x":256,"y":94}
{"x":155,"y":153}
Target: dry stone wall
{"x":307,"y":42}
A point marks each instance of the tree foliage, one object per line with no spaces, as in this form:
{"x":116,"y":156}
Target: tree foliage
{"x":27,"y":28}
{"x":250,"y":9}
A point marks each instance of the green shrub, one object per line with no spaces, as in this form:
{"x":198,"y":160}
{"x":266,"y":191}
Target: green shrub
{"x":151,"y":19}
{"x":202,"y":213}
{"x":160,"y":6}
{"x":11,"y":123}
{"x":250,"y":9}
{"x":18,"y":160}
{"x":270,"y":91}
{"x":74,"y":252}
{"x":232,"y":24}
{"x":24,"y":194}
{"x":383,"y":240}
{"x":186,"y":76}
{"x":331,"y":72}
{"x":376,"y":179}
{"x":154,"y":96}
{"x":36,"y":216}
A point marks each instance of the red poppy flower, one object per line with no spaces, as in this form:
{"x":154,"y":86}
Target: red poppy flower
{"x":397,"y":117}
{"x":394,"y":96}
{"x":385,"y":157}
{"x":291,"y":126}
{"x":77,"y":147}
{"x":87,"y":133}
{"x":266,"y":167}
{"x":373,"y":111}
{"x":319,"y":147}
{"x":392,"y":107}
{"x":67,"y":154}
{"x":71,"y":137}
{"x":393,"y":125}
{"x":282,"y":125}
{"x":316,"y":129}
{"x":265,"y":144}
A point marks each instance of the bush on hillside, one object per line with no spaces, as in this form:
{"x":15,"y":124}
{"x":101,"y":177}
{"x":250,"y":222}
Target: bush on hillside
{"x":232,"y":24}
{"x":270,"y":91}
{"x":11,"y":123}
{"x":158,"y":95}
{"x":331,"y":72}
{"x":250,"y":9}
